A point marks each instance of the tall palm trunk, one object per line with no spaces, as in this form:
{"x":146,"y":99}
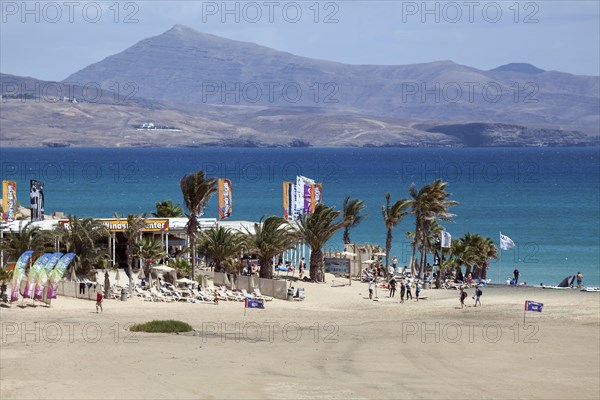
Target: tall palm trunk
{"x":467,"y":271}
{"x":388,"y":246}
{"x":192,"y":239}
{"x":266,"y":268}
{"x":413,"y":256}
{"x":130,"y":265}
{"x":316,"y":265}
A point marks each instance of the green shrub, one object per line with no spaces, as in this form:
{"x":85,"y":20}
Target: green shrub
{"x":162,"y":326}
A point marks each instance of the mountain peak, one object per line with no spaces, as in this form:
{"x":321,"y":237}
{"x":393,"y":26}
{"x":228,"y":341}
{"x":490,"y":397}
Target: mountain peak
{"x":519,"y":67}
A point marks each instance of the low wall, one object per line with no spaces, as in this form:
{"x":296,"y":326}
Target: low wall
{"x":276,"y":288}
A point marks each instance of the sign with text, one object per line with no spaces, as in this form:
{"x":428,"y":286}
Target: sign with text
{"x":121,"y":225}
{"x":337,"y":266}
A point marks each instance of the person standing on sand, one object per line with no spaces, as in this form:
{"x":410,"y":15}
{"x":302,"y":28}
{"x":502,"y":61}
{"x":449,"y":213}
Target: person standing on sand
{"x":99,"y":302}
{"x":301,"y":266}
{"x":371,"y":286}
{"x":408,"y":292}
{"x":478,"y":293}
{"x":579,"y":279}
{"x":402,"y":290}
{"x":516,"y":276}
{"x":417,"y":291}
{"x":463,"y":296}
{"x":392,"y":284}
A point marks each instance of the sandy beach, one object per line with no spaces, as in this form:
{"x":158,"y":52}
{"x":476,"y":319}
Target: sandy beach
{"x":335,"y":344}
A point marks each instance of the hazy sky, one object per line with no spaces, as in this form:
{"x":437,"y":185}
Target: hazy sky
{"x":51,"y":40}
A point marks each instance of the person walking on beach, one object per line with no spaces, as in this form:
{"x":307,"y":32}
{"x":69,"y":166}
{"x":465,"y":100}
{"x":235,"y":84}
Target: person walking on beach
{"x":408,"y":292}
{"x":392,"y":287}
{"x":417,"y":291}
{"x":371,"y":286}
{"x":402,"y":291}
{"x":516,"y":276}
{"x":579,"y":279}
{"x":478,"y":293}
{"x":99,"y":302}
{"x":301,"y":266}
{"x":463,"y":296}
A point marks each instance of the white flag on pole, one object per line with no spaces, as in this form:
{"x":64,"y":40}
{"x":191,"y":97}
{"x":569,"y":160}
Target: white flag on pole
{"x":446,"y":239}
{"x":506,"y":242}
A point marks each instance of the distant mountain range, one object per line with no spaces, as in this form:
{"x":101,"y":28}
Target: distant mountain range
{"x":217,"y":91}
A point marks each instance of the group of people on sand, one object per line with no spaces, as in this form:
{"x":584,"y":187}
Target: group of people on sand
{"x":463,"y":295}
{"x":405,"y":289}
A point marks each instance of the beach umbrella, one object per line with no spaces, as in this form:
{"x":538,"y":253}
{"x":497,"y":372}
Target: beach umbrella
{"x":141,"y":274}
{"x":162,"y":268}
{"x":73,"y":274}
{"x":117,"y":276}
{"x":150,"y":279}
{"x":347,"y":254}
{"x":369,"y":262}
{"x":379,"y":254}
{"x":185,"y":281}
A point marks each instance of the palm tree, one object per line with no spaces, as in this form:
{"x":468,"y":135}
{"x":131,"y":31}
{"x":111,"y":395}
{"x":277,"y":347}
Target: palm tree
{"x":316,"y":229}
{"x":352,"y":215}
{"x":197,"y":191}
{"x":428,"y":203}
{"x":392,"y":215}
{"x":148,"y":248}
{"x":182,"y":266}
{"x":474,"y":252}
{"x":135,"y":226}
{"x":220,"y":244}
{"x":272,"y":236}
{"x":87,"y":238}
{"x":166,"y":209}
{"x":28,"y":237}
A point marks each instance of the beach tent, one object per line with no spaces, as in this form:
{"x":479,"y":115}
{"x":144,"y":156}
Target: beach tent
{"x":567,"y":282}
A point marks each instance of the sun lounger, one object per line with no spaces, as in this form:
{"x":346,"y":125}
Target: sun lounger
{"x":247,"y":295}
{"x":144,"y":294}
{"x":202,"y":296}
{"x":115,"y":293}
{"x":335,"y":283}
{"x":235,"y":296}
{"x":159,"y":296}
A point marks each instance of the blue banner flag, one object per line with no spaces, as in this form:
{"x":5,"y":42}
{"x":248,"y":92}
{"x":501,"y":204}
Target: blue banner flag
{"x":254,"y":303}
{"x":533,"y":306}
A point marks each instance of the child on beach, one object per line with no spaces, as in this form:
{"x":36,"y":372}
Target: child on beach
{"x":417,"y":291}
{"x":99,"y":302}
{"x":371,"y":286}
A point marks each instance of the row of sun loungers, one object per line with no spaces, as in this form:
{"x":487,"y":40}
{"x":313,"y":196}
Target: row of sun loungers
{"x":208,"y":295}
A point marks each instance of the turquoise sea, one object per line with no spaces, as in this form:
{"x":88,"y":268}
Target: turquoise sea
{"x":546,"y":199}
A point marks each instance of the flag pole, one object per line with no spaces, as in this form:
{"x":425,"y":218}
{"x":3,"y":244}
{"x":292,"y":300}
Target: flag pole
{"x":499,"y":265}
